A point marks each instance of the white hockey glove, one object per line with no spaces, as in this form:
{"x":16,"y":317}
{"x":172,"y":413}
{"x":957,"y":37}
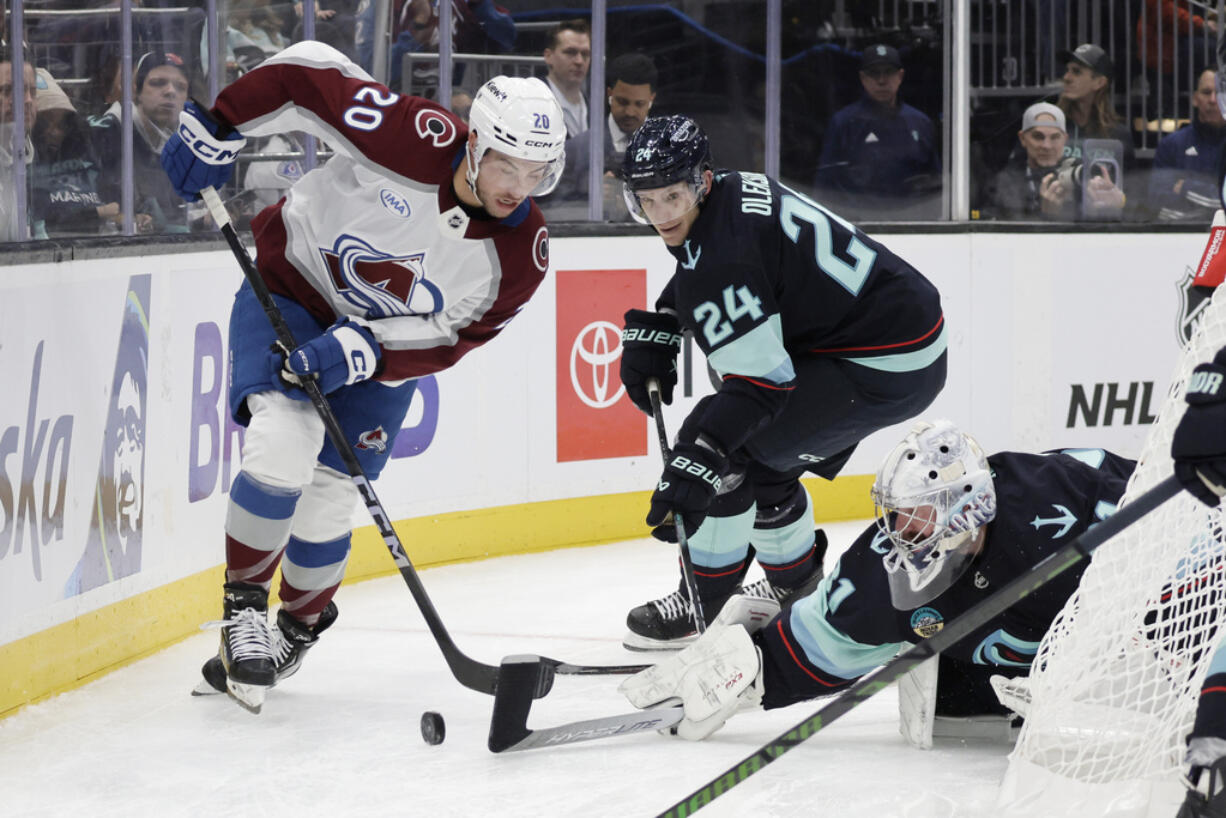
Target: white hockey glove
{"x":714,"y":678}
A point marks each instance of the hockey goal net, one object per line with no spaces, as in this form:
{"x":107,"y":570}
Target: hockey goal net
{"x":1114,"y":687}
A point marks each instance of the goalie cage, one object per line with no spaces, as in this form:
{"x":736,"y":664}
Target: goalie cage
{"x":1115,"y":683}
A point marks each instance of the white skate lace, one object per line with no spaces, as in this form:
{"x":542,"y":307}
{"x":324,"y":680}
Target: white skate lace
{"x":250,"y":637}
{"x":673,"y":606}
{"x":762,"y":589}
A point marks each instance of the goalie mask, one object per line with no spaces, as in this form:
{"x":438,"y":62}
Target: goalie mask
{"x":666,"y":150}
{"x":518,"y":116}
{"x":932,"y":495}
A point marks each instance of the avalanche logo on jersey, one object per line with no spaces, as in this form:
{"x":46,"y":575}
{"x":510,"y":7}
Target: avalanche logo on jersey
{"x":379,"y":284}
{"x":375,"y":440}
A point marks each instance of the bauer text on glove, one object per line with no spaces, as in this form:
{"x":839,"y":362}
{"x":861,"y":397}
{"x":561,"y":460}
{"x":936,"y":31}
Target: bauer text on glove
{"x":650,"y":343}
{"x":1199,"y":444}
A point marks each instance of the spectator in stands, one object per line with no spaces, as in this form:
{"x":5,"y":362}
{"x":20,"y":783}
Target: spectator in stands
{"x":1184,"y":183}
{"x":1087,"y":102}
{"x":261,"y":23}
{"x":65,"y":171}
{"x":461,"y":102}
{"x":335,"y":24}
{"x":569,"y":57}
{"x":10,"y":226}
{"x":1029,"y":186}
{"x":881,"y":156}
{"x":1167,"y":27}
{"x":477,"y":26}
{"x":630,"y":81}
{"x":160,"y":83}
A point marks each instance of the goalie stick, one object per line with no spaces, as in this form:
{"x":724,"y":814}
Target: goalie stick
{"x":469,"y":672}
{"x":683,"y":542}
{"x":877,"y":680}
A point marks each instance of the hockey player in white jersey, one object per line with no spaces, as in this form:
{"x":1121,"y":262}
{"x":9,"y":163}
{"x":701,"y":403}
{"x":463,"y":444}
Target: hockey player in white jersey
{"x":413,"y":245}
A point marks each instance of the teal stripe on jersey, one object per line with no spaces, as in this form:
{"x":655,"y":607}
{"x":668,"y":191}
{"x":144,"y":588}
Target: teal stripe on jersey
{"x":906,"y":361}
{"x":758,"y":353}
{"x":779,"y":546}
{"x":827,"y":649}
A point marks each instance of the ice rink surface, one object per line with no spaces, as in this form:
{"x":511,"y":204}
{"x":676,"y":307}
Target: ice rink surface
{"x":342,"y":737}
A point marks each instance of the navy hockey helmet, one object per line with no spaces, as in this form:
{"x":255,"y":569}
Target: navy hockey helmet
{"x":663,"y":151}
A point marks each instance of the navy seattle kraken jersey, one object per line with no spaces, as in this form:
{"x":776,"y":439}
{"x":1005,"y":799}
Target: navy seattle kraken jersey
{"x":767,"y":275}
{"x":848,"y":626}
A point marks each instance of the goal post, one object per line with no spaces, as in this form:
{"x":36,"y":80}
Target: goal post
{"x":1114,"y":686}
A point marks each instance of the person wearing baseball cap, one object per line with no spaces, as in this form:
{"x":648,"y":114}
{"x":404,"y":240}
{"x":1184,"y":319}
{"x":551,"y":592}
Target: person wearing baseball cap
{"x":881,"y":156}
{"x":1029,"y":187}
{"x":1087,"y":101}
{"x":161,"y":83}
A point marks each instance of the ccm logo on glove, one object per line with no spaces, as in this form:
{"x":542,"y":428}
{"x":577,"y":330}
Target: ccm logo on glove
{"x":206,"y":148}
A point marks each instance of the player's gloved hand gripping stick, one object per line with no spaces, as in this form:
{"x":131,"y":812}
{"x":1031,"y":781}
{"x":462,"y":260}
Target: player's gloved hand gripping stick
{"x":520,"y":679}
{"x":683,"y":541}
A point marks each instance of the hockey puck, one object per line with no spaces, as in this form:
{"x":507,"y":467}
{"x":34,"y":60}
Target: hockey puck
{"x":433,"y":730}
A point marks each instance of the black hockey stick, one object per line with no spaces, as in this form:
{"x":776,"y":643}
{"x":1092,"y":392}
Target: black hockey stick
{"x":683,"y":542}
{"x":467,"y":671}
{"x":877,"y":680}
{"x":509,"y":729}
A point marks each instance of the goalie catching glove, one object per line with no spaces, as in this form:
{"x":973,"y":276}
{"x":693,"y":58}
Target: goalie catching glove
{"x":1199,"y":444}
{"x":201,"y":152}
{"x":344,"y":355}
{"x":650,"y":343}
{"x":714,"y":678}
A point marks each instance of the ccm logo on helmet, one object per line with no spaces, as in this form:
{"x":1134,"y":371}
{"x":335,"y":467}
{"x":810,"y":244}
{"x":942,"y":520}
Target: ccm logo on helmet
{"x":209,"y":151}
{"x":532,"y":143}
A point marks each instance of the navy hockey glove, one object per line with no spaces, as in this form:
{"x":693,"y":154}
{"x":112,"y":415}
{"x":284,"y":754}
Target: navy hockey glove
{"x":650,"y":343}
{"x":690,"y":480}
{"x":344,"y":355}
{"x":201,"y":152}
{"x":1199,"y":446}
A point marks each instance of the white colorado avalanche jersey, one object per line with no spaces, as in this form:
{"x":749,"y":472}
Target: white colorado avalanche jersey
{"x":378,"y":232}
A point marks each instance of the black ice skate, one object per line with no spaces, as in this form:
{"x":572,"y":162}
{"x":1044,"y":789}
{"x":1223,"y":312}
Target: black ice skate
{"x":291,"y":640}
{"x":1206,"y":796}
{"x":766,"y":589}
{"x":245,"y":658}
{"x":667,"y":623}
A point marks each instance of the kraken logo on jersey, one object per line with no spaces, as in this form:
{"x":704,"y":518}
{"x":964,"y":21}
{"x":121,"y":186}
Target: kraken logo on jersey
{"x":379,"y":284}
{"x":1002,"y":648}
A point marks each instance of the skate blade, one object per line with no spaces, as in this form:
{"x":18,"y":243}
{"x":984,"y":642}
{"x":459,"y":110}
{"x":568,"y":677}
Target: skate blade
{"x":205,"y":689}
{"x":249,"y":697}
{"x":644,"y":644}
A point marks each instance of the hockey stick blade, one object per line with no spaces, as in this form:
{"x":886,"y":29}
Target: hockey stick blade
{"x":519,"y":679}
{"x":877,"y":680}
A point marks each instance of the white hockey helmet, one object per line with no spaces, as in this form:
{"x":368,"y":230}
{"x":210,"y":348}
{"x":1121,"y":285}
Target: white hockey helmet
{"x":932,"y":494}
{"x":520,"y":117}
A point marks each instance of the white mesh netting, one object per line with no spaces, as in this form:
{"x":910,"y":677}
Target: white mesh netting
{"x":1116,"y":680}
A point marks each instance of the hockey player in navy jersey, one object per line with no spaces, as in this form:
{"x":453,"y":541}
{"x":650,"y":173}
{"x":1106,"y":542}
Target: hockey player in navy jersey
{"x":952,"y":527}
{"x":417,"y":242}
{"x":1199,"y":451}
{"x":820,"y":336}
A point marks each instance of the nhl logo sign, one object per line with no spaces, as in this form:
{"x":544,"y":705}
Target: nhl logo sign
{"x":1193,"y":299}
